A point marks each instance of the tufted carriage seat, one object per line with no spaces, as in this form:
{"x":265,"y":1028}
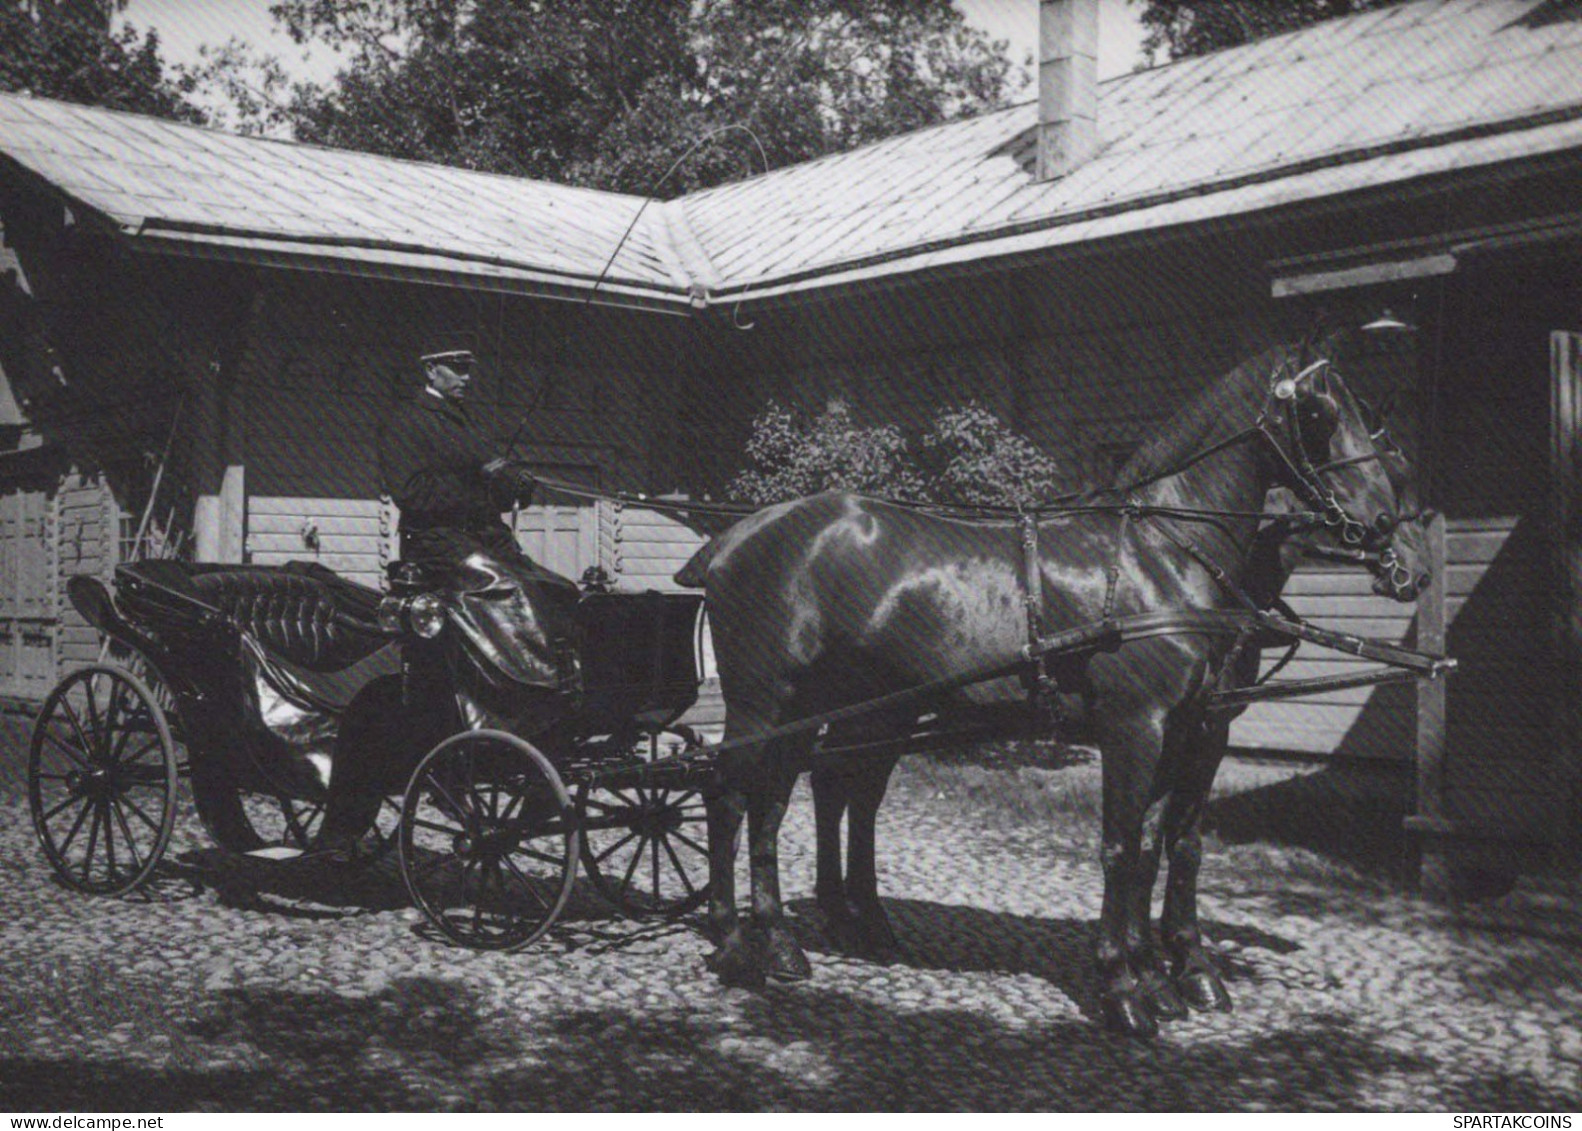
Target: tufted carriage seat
{"x":299,"y":612}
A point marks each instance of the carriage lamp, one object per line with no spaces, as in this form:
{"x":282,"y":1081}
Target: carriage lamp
{"x":421,"y":615}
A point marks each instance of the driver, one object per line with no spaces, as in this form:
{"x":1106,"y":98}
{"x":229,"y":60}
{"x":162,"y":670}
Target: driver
{"x":513,"y":617}
{"x":445,"y":474}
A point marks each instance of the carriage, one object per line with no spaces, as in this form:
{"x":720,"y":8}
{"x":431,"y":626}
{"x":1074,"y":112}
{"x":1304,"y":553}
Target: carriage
{"x":256,"y":683}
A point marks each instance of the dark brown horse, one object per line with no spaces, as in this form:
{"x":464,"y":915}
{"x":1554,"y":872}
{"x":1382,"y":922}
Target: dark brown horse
{"x":838,"y":599}
{"x":851,"y":790}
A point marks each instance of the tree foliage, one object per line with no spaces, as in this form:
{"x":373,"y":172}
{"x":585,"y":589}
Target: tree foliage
{"x":965,"y":455}
{"x":1178,"y":29}
{"x":68,"y":49}
{"x":610,"y":93}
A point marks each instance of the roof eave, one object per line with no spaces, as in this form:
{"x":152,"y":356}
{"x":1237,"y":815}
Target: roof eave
{"x":373,"y":259}
{"x":1555,"y":136}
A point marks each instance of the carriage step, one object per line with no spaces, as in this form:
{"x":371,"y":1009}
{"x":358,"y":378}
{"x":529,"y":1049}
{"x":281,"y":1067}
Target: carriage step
{"x":275,"y":852}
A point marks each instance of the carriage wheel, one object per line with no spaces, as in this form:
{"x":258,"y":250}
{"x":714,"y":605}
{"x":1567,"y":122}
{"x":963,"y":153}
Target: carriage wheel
{"x":488,"y":841}
{"x":645,"y":847}
{"x":102,"y":776}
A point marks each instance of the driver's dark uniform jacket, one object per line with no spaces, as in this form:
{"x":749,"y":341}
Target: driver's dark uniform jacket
{"x":509,"y":620}
{"x":515,"y":617}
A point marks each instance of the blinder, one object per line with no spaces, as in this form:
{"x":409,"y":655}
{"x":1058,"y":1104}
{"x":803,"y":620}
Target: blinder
{"x":1309,"y":427}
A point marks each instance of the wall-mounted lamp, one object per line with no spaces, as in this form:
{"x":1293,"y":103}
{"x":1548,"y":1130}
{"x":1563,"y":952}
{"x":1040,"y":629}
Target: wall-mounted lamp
{"x":310,"y":535}
{"x":1388,"y":323}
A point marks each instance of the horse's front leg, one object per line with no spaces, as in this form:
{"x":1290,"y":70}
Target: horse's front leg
{"x":1131,"y":749}
{"x":783,"y":959}
{"x":1159,"y":994}
{"x":1192,"y":970}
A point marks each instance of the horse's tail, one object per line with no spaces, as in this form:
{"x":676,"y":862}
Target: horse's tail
{"x":695,"y":572}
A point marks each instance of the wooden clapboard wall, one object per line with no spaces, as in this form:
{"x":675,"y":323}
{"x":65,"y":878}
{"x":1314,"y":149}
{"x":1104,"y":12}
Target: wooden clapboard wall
{"x":349,"y":536}
{"x":1364,"y":721}
{"x":29,"y":586}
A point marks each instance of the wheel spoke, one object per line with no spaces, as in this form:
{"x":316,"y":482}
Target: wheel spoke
{"x":435,"y":827}
{"x":632,"y":866}
{"x":138,"y":810}
{"x":700,"y":849}
{"x":137,"y":756}
{"x":681,"y":870}
{"x":131,"y":843}
{"x":69,"y":799}
{"x":456,"y":807}
{"x":95,"y":728}
{"x":532,"y":888}
{"x":541,"y":856}
{"x":80,"y":754}
{"x":93,"y":841}
{"x":601,"y":857}
{"x":76,"y":826}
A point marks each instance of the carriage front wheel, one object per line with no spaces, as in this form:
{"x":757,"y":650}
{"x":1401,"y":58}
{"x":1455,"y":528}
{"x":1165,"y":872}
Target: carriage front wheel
{"x":488,"y":840}
{"x":645,"y":843}
{"x":102,"y":780}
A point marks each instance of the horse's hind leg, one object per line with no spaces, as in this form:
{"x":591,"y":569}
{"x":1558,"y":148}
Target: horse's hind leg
{"x":829,"y":886}
{"x":724,"y":808}
{"x":1192,"y":970}
{"x":766,"y":807}
{"x":866,"y":788}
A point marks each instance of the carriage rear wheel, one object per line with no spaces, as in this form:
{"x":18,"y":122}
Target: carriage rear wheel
{"x":488,"y":842}
{"x":102,"y":780}
{"x":644,"y":844}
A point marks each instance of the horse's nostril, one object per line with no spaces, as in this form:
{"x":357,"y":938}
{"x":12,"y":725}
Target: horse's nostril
{"x":1424,"y":582}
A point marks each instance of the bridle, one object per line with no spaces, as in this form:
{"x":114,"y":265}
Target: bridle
{"x":1367,"y":544}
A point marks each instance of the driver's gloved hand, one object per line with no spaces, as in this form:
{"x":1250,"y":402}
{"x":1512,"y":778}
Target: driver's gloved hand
{"x":510,"y":483}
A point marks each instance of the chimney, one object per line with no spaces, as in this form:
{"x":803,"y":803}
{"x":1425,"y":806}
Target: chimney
{"x":1068,"y":76}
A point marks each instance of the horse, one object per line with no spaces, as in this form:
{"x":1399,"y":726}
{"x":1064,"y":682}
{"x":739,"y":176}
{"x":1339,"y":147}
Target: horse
{"x":848,"y":898}
{"x":840,"y":605}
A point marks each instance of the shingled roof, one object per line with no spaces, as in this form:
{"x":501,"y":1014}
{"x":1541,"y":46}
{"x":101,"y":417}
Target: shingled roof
{"x":1417,"y":89}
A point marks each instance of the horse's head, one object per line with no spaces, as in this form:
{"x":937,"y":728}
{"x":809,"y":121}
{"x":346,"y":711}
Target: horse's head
{"x":1342,"y":465}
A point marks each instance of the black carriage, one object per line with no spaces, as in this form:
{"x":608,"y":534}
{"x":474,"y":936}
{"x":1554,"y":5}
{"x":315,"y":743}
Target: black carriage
{"x":255,"y":682}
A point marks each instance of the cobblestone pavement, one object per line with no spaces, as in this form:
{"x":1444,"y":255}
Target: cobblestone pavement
{"x":232,"y":987}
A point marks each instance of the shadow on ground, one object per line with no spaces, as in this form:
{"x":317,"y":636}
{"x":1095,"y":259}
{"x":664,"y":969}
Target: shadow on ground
{"x":1350,"y":812}
{"x":429,"y":1043}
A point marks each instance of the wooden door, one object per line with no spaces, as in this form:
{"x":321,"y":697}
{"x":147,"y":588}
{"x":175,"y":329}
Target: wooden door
{"x":27,"y":596}
{"x":560,"y":531}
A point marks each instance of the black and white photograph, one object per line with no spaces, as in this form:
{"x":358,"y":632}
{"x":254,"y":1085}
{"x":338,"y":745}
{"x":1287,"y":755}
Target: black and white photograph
{"x":953,"y":556}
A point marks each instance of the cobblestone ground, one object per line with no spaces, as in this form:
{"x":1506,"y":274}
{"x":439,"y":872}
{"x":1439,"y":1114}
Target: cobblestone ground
{"x":241,"y":988}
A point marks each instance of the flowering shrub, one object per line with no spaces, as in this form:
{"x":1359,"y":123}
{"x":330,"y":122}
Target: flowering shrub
{"x":968,"y":456}
{"x":788,"y":457}
{"x":965,"y":455}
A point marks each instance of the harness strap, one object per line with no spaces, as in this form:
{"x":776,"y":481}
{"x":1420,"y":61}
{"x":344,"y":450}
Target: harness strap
{"x":1032,"y":575}
{"x":1042,"y":688}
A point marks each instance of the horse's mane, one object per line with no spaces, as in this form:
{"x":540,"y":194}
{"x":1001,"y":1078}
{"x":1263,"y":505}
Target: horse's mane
{"x":1216,"y":413}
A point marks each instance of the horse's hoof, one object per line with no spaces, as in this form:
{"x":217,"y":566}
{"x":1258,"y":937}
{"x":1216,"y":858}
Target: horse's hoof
{"x":1127,"y":1014}
{"x":877,"y":944}
{"x":1203,"y":991}
{"x":784,"y":960}
{"x":736,"y":962}
{"x":734,"y":971}
{"x":1161,"y":998}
